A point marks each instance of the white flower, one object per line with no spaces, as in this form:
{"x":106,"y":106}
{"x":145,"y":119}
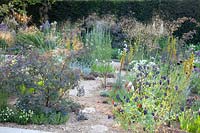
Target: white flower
{"x":151,"y":63}
{"x":125,"y":49}
{"x":143,"y":61}
{"x":129,"y":85}
{"x":125,"y":45}
{"x":41,"y":27}
{"x":119,"y":51}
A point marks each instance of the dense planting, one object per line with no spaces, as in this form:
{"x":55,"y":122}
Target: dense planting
{"x":154,"y":70}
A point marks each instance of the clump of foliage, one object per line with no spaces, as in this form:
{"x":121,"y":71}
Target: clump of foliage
{"x":12,"y":115}
{"x":190,"y":121}
{"x":40,"y":81}
{"x":45,"y":40}
{"x":51,"y":118}
{"x":23,"y":117}
{"x":104,"y":68}
{"x":99,"y":43}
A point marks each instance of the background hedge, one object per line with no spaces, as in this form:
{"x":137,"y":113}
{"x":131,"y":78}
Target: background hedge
{"x":143,"y":11}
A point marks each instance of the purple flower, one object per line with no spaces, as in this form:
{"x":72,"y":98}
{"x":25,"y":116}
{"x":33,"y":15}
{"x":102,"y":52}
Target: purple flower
{"x":157,"y":72}
{"x":3,"y":27}
{"x":145,"y":112}
{"x":136,"y":99}
{"x":118,"y":97}
{"x":121,"y":110}
{"x":139,"y":68}
{"x":127,"y":100}
{"x":45,"y":26}
{"x":168,"y":81}
{"x":197,"y":53}
{"x":163,"y":77}
{"x":197,"y":70}
{"x":176,"y":88}
{"x":160,"y":82}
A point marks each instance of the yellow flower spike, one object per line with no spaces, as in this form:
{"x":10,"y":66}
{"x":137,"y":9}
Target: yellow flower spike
{"x":68,"y":43}
{"x":171,"y":47}
{"x":76,"y":44}
{"x":130,"y":55}
{"x":188,"y":65}
{"x":122,"y":60}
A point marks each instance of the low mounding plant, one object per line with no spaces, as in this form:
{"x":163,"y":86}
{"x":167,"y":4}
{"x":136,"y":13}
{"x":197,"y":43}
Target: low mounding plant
{"x":40,"y":81}
{"x":51,"y":118}
{"x":22,"y":117}
{"x":36,"y":39}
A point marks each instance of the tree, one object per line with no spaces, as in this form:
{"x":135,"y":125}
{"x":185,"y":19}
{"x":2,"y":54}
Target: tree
{"x":20,"y":6}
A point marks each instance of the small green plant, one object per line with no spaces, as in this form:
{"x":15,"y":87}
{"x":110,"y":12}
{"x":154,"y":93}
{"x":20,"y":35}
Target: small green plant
{"x":6,"y":114}
{"x":116,"y":53}
{"x":51,"y":118}
{"x":22,"y":117}
{"x":190,"y":121}
{"x":103,"y":68}
{"x":4,"y":98}
{"x":3,"y":44}
{"x":36,"y":39}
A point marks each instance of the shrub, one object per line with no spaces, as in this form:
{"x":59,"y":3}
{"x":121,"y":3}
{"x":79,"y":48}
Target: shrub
{"x":40,"y":81}
{"x":188,"y":30}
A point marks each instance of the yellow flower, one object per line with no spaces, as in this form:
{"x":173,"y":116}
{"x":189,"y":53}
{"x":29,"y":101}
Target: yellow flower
{"x":171,"y":48}
{"x":68,"y":43}
{"x":188,"y":65}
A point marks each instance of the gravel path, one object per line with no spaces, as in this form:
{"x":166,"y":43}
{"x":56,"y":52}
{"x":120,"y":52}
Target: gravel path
{"x":98,"y":121}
